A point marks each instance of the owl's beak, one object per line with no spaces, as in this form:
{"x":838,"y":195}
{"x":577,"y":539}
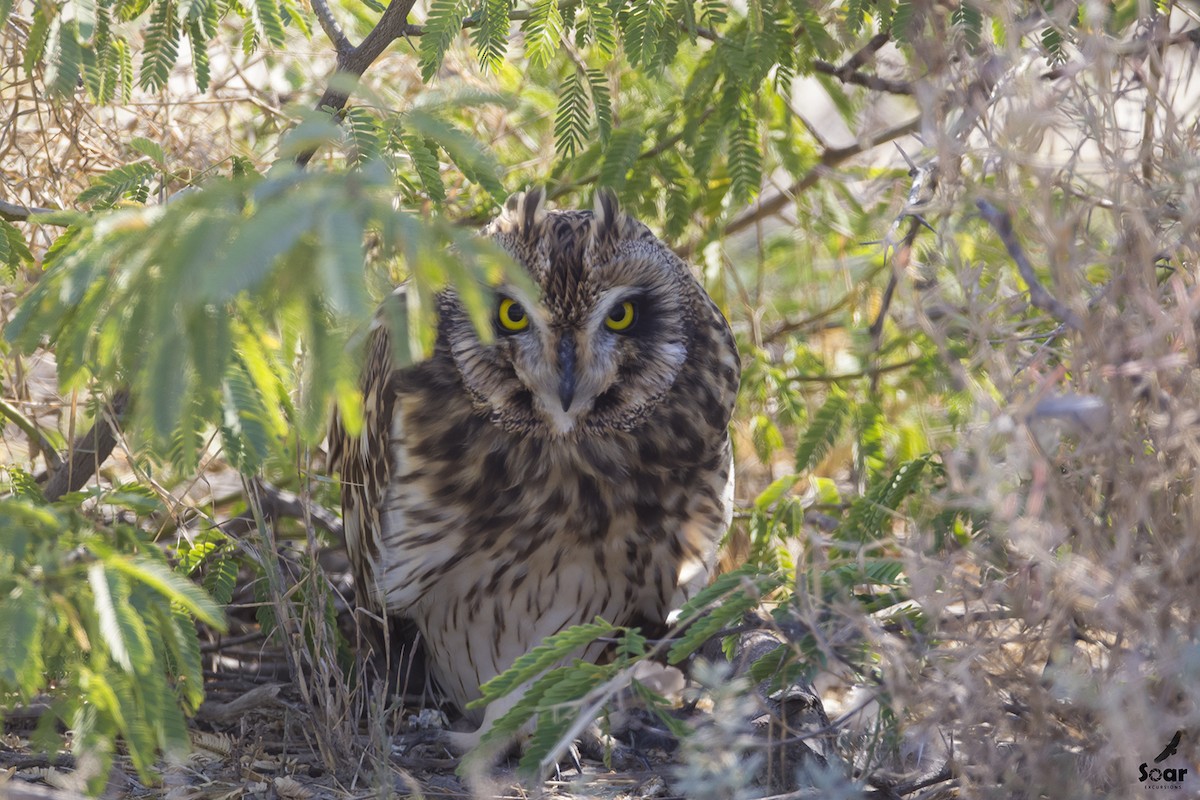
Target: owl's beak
{"x":566,"y":363}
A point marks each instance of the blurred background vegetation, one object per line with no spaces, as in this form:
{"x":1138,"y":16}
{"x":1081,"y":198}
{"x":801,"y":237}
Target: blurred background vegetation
{"x":956,"y":241}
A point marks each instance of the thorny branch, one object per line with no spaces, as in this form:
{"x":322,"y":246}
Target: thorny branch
{"x":1039,"y":296}
{"x":353,"y":61}
{"x":851,"y":70}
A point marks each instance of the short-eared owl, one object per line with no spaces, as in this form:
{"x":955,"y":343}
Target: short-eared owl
{"x":576,"y":466}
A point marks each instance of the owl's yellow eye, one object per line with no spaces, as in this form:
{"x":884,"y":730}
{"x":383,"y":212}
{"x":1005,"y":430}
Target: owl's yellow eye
{"x":622,"y":317}
{"x":511,"y":316}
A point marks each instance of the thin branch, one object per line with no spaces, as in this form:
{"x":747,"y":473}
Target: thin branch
{"x":864,"y":79}
{"x":11,"y":212}
{"x":14,"y":415}
{"x":872,"y":372}
{"x":472,"y":21}
{"x":1038,"y":295}
{"x":831,"y":157}
{"x":924,"y":183}
{"x":851,"y":70}
{"x":276,"y":503}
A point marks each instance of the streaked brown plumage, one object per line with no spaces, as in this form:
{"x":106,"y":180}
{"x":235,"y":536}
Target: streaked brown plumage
{"x":578,"y":465}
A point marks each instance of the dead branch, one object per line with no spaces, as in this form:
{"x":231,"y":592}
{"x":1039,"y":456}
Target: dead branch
{"x":851,"y":70}
{"x":88,"y":451}
{"x":276,"y":503}
{"x":1001,"y":222}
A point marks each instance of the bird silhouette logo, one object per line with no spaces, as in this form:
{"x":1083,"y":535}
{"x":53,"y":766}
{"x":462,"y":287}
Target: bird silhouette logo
{"x":1171,"y":749}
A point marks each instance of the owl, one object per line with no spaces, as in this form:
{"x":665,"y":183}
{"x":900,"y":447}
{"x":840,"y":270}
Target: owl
{"x":576,"y":465}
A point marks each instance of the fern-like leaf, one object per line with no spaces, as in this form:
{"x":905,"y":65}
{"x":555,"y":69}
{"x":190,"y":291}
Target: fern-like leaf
{"x":641,"y":28}
{"x":555,"y":648}
{"x":269,"y":21}
{"x":543,"y":32}
{"x":571,"y":121}
{"x":868,"y":517}
{"x":13,"y":250}
{"x":822,"y":432}
{"x":745,"y":159}
{"x":624,"y":147}
{"x":199,"y":44}
{"x":443,"y":23}
{"x":601,"y":102}
{"x":363,"y":131}
{"x":125,"y":181}
{"x":490,"y":37}
{"x":162,"y":46}
{"x":424,"y":155}
{"x":67,"y":61}
{"x":557,"y":710}
{"x":601,"y":26}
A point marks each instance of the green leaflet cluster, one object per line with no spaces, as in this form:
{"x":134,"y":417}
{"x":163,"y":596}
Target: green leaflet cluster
{"x":85,"y":42}
{"x":96,"y":620}
{"x":238,"y":293}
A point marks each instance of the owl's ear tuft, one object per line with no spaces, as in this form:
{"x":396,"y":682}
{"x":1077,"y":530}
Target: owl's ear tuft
{"x":524,"y":211}
{"x":606,"y":208}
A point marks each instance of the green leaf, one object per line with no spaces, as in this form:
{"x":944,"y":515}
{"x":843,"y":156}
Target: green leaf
{"x":554,"y":649}
{"x":490,"y":36}
{"x":601,"y":102}
{"x":149,"y":148}
{"x":106,"y":614}
{"x":363,"y":130}
{"x":443,"y":23}
{"x":269,"y":21}
{"x":478,"y":164}
{"x":601,"y":26}
{"x":543,"y":32}
{"x":162,"y":46}
{"x":66,"y":62}
{"x":641,"y":24}
{"x":624,"y":147}
{"x":571,"y":121}
{"x":745,"y":159}
{"x":172,"y":586}
{"x":21,"y":645}
{"x":778,"y":488}
{"x":822,"y":432}
{"x":424,"y":155}
{"x":557,"y":711}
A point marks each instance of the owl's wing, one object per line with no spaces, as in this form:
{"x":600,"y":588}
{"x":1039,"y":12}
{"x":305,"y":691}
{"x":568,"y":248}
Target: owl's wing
{"x":365,"y":461}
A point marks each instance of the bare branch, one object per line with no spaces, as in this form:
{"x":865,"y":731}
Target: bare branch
{"x":88,"y":451}
{"x":332,"y":29}
{"x":14,"y":415}
{"x":472,"y":21}
{"x":830,"y":157}
{"x":355,"y":60}
{"x":278,"y":503}
{"x":863,"y":79}
{"x":1001,"y":221}
{"x":11,"y":212}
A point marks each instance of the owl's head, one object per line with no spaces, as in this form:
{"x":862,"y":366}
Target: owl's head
{"x":603,"y":339}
